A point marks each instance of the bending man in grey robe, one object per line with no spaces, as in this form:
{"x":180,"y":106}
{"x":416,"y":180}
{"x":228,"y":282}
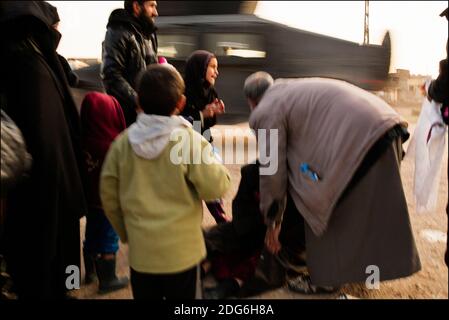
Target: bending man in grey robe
{"x":338,"y":155}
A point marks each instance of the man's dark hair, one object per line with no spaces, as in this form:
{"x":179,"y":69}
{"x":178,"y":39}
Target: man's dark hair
{"x":129,"y":5}
{"x":159,"y":89}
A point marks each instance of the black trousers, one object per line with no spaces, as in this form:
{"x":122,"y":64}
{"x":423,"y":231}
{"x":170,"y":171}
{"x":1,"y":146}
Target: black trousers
{"x":146,"y":286}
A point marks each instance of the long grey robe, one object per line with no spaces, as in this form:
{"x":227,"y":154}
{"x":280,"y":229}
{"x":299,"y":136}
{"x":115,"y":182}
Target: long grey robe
{"x":331,"y":126}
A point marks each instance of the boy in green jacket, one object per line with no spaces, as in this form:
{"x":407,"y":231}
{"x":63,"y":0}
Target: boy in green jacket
{"x":153,"y":181}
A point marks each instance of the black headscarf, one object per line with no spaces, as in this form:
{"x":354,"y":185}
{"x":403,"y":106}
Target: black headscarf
{"x":40,"y":10}
{"x":199,"y":91}
{"x":30,"y":18}
{"x":51,"y":13}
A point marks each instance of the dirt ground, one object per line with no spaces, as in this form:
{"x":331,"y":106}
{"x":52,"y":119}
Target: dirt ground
{"x":429,"y":231}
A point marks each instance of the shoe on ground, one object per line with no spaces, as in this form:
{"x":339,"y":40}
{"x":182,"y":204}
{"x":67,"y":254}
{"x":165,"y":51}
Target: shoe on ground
{"x":303,"y":284}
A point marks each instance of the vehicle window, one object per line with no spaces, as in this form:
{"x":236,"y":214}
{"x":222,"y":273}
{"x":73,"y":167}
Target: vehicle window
{"x":176,"y":45}
{"x":235,"y":44}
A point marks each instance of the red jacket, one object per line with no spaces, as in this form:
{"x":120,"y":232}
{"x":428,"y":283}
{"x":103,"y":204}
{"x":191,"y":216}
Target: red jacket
{"x":102,"y":120}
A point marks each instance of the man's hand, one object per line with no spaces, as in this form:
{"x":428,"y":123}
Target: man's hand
{"x":272,"y":239}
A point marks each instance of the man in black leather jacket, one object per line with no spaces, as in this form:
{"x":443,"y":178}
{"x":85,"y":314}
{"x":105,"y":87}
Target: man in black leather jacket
{"x":130,"y":45}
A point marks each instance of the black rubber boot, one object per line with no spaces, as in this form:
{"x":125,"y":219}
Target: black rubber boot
{"x":107,"y":277}
{"x":89,"y":267}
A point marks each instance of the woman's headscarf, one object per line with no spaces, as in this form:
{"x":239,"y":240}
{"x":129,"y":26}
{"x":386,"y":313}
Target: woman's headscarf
{"x":30,"y":17}
{"x":199,"y":91}
{"x":50,"y":12}
{"x":41,"y":10}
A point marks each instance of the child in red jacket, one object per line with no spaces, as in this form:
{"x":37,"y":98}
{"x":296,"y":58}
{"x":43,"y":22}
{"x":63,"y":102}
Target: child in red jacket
{"x":102,"y":120}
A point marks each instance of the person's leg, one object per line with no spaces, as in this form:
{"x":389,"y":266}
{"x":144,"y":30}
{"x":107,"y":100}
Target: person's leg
{"x":146,"y":286}
{"x":292,"y":231}
{"x":100,"y":236}
{"x":292,"y":238}
{"x":291,"y":256}
{"x":102,"y":244}
{"x":89,"y":246}
{"x":108,"y":242}
{"x":105,"y":266}
{"x":182,"y":285}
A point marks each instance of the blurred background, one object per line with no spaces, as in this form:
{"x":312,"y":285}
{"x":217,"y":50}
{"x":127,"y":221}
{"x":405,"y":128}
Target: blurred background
{"x":418,"y":33}
{"x":387,"y":47}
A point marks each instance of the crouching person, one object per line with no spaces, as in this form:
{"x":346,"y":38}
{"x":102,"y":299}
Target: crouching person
{"x":153,"y":200}
{"x":238,"y":260}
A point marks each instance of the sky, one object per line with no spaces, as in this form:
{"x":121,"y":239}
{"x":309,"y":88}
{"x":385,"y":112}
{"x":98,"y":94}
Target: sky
{"x":418,"y":33}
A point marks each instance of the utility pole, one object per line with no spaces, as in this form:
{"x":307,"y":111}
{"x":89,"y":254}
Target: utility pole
{"x":366,"y":27}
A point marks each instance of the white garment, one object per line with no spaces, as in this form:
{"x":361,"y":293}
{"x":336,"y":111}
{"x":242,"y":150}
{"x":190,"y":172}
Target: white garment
{"x":426,"y":152}
{"x":150,"y":134}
